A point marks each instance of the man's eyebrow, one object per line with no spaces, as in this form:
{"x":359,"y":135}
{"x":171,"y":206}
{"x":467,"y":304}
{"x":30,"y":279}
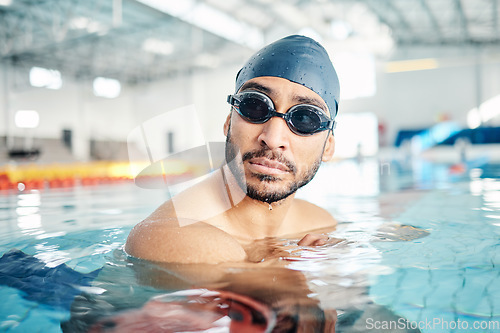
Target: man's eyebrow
{"x":300,"y":99}
{"x":312,"y":101}
{"x":256,"y":86}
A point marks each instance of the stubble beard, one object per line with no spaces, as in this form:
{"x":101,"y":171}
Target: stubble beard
{"x":235,"y":164}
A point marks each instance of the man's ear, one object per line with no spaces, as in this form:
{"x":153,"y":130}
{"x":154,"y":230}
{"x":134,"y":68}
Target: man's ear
{"x":226,"y":124}
{"x":329,"y":148}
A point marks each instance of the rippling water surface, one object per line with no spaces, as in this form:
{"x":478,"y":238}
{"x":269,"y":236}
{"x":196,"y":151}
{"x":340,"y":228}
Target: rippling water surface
{"x":419,"y":245}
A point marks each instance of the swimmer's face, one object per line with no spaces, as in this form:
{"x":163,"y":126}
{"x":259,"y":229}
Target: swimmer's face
{"x":275,"y":161}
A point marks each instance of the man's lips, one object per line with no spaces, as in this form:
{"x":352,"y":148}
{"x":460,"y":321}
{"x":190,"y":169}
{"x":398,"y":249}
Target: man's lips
{"x":266,"y":166}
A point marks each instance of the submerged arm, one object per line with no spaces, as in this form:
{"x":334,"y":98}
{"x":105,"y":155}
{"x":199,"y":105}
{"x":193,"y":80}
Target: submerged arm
{"x":193,"y":243}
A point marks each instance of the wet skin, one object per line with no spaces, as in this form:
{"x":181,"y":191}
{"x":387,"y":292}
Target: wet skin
{"x":198,"y":226}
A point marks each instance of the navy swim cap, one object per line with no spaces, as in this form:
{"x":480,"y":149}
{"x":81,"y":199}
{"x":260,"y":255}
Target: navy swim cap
{"x":299,"y":59}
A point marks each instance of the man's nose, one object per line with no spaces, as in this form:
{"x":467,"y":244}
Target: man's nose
{"x":275,"y":134}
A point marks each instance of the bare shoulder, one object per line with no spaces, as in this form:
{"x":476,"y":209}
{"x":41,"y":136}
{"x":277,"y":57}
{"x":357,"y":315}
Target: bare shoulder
{"x":192,"y":243}
{"x":315,"y":216}
{"x":175,"y":232}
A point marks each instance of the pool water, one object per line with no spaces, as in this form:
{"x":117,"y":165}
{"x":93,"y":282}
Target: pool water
{"x":80,"y":227}
{"x":420,"y":250}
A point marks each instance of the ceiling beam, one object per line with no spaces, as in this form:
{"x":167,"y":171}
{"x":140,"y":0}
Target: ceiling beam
{"x":401,"y":29}
{"x":432,"y":19}
{"x":402,"y":20}
{"x":494,"y":15}
{"x":451,"y":42}
{"x":462,"y":20}
{"x":382,"y":18}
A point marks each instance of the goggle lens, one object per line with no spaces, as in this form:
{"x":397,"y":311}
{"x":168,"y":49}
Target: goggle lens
{"x":305,"y":120}
{"x":254,"y":109}
{"x":302,"y":119}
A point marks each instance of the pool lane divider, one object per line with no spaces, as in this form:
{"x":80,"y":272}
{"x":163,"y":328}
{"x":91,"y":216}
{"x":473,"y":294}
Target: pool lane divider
{"x":38,"y":176}
{"x":41,"y":176}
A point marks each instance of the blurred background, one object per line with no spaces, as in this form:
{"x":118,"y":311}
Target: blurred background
{"x":418,"y":78}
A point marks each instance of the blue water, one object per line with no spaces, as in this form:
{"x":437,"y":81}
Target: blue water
{"x":80,"y":227}
{"x":453,"y":274}
{"x":446,"y":281}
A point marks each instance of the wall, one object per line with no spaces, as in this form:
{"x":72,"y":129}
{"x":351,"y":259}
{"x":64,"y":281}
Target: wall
{"x":72,"y":107}
{"x":412,"y":99}
{"x":206,"y":90}
{"x":417,"y":99}
{"x":75,"y":107}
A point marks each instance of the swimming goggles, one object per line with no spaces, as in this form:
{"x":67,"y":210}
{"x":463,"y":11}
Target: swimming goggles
{"x":302,"y":119}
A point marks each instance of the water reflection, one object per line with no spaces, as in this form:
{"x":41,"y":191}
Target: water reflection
{"x":445,"y":274}
{"x":30,"y":224}
{"x":31,"y":199}
{"x":28,"y":218}
{"x":296,"y":289}
{"x":51,"y":255}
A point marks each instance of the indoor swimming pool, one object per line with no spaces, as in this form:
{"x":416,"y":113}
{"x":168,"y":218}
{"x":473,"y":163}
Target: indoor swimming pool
{"x":419,"y":250}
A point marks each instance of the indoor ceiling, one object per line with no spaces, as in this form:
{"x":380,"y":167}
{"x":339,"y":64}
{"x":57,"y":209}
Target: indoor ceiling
{"x":144,"y":40}
{"x":440,"y":22}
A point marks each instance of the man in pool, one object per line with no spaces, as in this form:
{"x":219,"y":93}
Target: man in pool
{"x":279,"y":130}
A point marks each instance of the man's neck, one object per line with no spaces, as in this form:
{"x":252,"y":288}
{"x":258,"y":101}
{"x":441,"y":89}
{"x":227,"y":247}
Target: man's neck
{"x":254,"y":219}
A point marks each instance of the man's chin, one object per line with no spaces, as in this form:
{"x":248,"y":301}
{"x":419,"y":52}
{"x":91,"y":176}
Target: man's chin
{"x":268,"y":194}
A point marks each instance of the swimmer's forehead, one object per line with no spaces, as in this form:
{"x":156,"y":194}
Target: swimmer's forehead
{"x":264,"y":86}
